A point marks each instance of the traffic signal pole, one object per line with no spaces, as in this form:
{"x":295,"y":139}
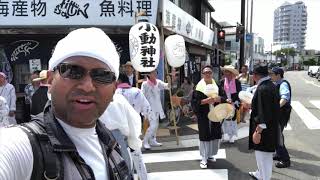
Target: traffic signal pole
{"x":242,"y":39}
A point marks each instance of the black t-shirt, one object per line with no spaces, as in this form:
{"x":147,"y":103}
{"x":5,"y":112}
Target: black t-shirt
{"x":39,"y":100}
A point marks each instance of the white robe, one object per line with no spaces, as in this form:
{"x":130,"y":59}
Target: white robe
{"x":9,"y":93}
{"x":121,"y":115}
{"x":152,"y":93}
{"x":137,"y":100}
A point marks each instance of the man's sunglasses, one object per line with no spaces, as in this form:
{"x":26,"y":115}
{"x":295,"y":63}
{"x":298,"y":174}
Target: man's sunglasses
{"x":99,"y":75}
{"x":207,"y":72}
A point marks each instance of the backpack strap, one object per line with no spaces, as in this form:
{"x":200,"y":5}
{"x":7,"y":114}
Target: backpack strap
{"x":47,"y":163}
{"x":117,"y":166}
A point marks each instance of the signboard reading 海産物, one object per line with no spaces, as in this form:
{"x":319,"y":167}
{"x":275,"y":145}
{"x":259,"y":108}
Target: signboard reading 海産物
{"x":74,"y":12}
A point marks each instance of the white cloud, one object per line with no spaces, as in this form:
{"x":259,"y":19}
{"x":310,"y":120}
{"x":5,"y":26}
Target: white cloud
{"x":229,"y":10}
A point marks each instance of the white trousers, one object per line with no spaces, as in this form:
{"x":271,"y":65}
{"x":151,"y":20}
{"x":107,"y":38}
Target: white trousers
{"x":264,"y":163}
{"x":153,"y":127}
{"x":139,"y":165}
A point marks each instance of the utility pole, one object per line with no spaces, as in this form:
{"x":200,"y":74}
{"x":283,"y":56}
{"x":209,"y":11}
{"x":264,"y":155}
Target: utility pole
{"x":242,"y":39}
{"x":252,"y":38}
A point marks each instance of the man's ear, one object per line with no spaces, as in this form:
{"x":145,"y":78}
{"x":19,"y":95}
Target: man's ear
{"x":50,"y":77}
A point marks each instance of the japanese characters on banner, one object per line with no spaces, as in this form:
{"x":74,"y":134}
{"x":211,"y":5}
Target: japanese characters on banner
{"x":144,"y":44}
{"x":175,"y":49}
{"x":180,"y":22}
{"x":74,"y":12}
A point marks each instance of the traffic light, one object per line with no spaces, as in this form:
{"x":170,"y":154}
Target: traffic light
{"x":221,"y":36}
{"x":239,"y":32}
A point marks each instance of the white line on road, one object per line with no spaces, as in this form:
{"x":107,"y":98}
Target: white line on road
{"x":316,"y":103}
{"x":306,"y":116}
{"x":205,"y":174}
{"x":311,"y":82}
{"x":178,"y":156}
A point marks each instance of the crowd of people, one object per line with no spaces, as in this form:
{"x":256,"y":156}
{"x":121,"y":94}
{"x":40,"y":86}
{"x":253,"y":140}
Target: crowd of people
{"x":86,"y":115}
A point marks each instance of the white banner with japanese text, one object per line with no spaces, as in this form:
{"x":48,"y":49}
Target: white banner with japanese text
{"x":180,"y":22}
{"x":74,"y":12}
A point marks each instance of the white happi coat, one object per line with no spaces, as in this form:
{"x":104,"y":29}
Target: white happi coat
{"x":152,"y":93}
{"x":4,"y":112}
{"x":9,"y":93}
{"x":121,"y":115}
{"x":137,"y":100}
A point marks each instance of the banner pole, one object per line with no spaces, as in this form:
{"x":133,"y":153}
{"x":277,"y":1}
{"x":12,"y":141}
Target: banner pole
{"x":170,"y":92}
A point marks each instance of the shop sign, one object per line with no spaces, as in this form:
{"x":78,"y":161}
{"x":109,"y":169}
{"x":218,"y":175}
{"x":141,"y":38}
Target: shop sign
{"x":74,"y":12}
{"x":180,"y":22}
{"x":34,"y":64}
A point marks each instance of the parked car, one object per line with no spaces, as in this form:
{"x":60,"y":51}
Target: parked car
{"x":312,"y":71}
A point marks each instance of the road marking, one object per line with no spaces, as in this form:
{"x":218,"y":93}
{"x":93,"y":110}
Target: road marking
{"x":204,"y":174}
{"x":243,"y":132}
{"x":316,"y":103}
{"x":178,"y":156}
{"x":311,"y":82}
{"x":306,"y":116}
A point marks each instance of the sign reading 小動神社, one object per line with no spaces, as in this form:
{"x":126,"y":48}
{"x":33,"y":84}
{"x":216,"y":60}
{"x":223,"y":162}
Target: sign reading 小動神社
{"x":144,"y":43}
{"x":74,"y":12}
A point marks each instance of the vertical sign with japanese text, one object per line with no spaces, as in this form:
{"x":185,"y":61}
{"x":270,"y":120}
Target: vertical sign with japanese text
{"x":74,"y":12}
{"x":144,"y":43}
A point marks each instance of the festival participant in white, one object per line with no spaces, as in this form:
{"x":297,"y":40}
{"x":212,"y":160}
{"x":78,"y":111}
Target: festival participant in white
{"x":151,"y":89}
{"x":8,"y":91}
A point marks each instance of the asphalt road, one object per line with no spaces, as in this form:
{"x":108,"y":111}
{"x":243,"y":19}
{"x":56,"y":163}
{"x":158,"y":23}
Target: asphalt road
{"x":234,"y":161}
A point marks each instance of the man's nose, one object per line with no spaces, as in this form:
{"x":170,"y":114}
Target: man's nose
{"x":87,"y":84}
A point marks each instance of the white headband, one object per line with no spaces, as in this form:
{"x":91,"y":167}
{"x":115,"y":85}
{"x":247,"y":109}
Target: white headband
{"x":90,"y":42}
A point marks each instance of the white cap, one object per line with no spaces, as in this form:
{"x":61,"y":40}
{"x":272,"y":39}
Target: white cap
{"x":90,"y":42}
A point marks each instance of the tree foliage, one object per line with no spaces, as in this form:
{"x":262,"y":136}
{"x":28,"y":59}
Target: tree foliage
{"x":284,"y":53}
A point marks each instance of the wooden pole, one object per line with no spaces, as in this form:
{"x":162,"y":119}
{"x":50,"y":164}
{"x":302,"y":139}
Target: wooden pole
{"x":170,"y":92}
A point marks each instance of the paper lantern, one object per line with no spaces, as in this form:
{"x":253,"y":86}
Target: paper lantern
{"x":175,"y":50}
{"x":144,"y":44}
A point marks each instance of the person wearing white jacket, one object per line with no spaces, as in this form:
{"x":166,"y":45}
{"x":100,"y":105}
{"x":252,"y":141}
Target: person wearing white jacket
{"x":152,"y":90}
{"x":121,"y":115}
{"x":4,"y":112}
{"x":8,"y":91}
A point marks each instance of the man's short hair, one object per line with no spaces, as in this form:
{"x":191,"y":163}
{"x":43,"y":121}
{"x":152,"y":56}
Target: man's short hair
{"x":261,"y":70}
{"x":124,"y":78}
{"x":37,"y":72}
{"x":207,"y":66}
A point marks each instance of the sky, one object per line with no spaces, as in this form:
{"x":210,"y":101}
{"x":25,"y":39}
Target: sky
{"x":262,"y":23}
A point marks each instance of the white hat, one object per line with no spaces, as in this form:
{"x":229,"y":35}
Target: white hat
{"x":43,"y":75}
{"x":221,"y":112}
{"x":90,"y":42}
{"x":231,"y":69}
{"x":245,"y":96}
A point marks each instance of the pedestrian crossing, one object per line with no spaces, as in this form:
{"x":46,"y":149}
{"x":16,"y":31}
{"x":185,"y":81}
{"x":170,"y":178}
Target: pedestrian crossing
{"x":305,"y":111}
{"x":310,"y":120}
{"x":203,"y":174}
